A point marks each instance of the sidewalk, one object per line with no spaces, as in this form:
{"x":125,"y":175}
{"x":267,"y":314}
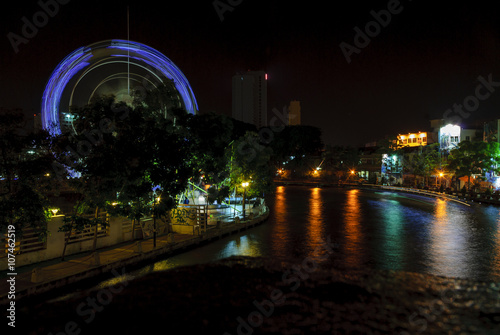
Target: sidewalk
{"x":44,"y":276}
{"x":41,"y":277}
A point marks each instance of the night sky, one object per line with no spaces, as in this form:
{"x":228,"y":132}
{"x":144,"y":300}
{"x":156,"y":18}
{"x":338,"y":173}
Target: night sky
{"x":427,"y":58}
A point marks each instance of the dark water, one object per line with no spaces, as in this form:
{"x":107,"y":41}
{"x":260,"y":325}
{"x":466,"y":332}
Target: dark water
{"x":369,"y":229}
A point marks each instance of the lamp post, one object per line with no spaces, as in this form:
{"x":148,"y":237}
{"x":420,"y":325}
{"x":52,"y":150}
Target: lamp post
{"x":154,"y":220}
{"x":244,"y":185}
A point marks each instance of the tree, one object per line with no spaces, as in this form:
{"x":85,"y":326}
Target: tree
{"x":340,"y":158}
{"x":251,"y":162}
{"x":470,"y":158}
{"x":210,"y":136}
{"x":104,"y":154}
{"x":423,"y":161}
{"x":26,"y":178}
{"x":293,"y":143}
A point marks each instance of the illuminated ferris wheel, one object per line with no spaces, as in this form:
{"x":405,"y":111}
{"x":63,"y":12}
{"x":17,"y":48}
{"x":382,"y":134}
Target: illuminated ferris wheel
{"x":118,"y":67}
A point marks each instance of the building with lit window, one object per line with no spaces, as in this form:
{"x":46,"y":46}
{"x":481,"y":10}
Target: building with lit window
{"x":249,"y":93}
{"x":413,"y":139}
{"x":451,"y":135}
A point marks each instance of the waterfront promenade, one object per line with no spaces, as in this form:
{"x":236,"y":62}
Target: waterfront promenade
{"x":466,"y":200}
{"x":35,"y":279}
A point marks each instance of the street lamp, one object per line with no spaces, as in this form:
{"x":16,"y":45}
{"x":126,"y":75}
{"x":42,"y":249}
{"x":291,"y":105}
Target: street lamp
{"x":244,"y":185}
{"x":154,"y":219}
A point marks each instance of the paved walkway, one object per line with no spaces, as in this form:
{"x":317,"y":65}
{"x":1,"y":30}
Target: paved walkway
{"x":45,"y":275}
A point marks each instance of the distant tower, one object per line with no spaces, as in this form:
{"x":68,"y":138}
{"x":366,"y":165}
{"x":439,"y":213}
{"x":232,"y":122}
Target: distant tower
{"x":294,"y":113}
{"x":250,"y":97}
{"x":37,"y":122}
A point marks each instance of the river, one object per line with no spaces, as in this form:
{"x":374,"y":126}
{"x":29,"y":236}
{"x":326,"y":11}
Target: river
{"x":367,"y":229}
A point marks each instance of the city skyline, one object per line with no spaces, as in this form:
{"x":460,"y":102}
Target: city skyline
{"x":361,"y":72}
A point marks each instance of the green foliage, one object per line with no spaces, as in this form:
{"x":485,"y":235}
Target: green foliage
{"x":295,"y":141}
{"x":134,"y":149}
{"x":340,"y":158}
{"x":423,"y":161}
{"x":26,"y":179}
{"x":471,"y":158}
{"x":218,"y":194}
{"x":210,"y":136}
{"x":251,"y":162}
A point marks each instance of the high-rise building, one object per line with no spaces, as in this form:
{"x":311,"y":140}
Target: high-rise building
{"x":250,"y":97}
{"x":37,"y":122}
{"x":294,"y":113}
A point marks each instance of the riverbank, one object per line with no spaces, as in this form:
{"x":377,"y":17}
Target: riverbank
{"x":243,"y":295}
{"x":34,"y":280}
{"x":466,"y":200}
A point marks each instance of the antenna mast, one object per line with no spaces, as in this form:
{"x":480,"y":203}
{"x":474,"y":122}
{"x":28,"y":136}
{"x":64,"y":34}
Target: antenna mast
{"x":128,"y":52}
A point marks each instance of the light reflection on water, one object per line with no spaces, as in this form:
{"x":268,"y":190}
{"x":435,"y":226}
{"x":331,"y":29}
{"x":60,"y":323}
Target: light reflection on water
{"x":381,"y":230}
{"x":352,"y":228}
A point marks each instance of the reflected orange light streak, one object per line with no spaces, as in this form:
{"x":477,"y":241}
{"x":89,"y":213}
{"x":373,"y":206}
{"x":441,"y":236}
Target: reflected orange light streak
{"x":280,"y":227}
{"x":352,"y":217}
{"x":315,"y":221}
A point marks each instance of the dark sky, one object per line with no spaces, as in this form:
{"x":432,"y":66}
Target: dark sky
{"x":427,"y":58}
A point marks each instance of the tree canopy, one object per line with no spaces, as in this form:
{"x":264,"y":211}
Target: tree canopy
{"x":26,"y":178}
{"x":470,"y":158}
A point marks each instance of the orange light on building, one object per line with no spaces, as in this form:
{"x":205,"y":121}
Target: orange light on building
{"x":413,"y":139}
